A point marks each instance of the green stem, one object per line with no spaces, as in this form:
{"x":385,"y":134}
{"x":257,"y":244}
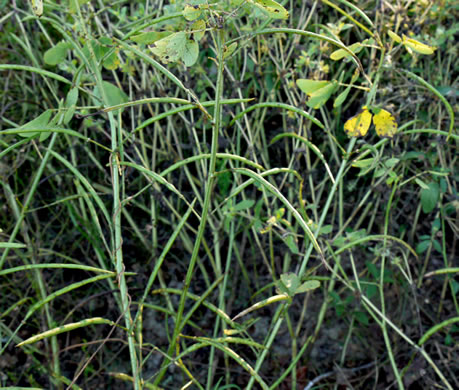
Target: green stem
{"x":323,"y":215}
{"x":28,"y":199}
{"x":268,"y":345}
{"x":311,"y":246}
{"x":381,"y":294}
{"x":117,"y":254}
{"x":432,"y":89}
{"x":206,"y":205}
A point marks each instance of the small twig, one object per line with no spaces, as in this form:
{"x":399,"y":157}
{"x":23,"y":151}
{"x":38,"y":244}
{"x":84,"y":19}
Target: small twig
{"x":331,"y":373}
{"x":78,"y":374}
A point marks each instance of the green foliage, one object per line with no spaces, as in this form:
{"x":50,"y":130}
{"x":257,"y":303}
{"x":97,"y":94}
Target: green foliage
{"x":271,"y":8}
{"x":41,"y":121}
{"x":430,"y":197}
{"x":70,"y":104}
{"x":147,"y":38}
{"x":192,"y":12}
{"x":113,"y":94}
{"x":57,"y":54}
{"x":103,"y":51}
{"x":354,"y":48}
{"x":75,"y":4}
{"x":291,"y":285}
{"x":318,"y":91}
{"x":176,"y":47}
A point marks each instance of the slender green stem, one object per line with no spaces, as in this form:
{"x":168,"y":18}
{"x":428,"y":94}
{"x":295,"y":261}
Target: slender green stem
{"x":308,"y":34}
{"x":271,"y":337}
{"x":28,"y":199}
{"x":206,"y":205}
{"x":117,"y":254}
{"x":439,"y":95}
{"x":381,"y":293}
{"x":20,"y":224}
{"x":331,"y":195}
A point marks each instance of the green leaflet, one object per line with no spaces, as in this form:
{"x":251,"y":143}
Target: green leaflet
{"x":37,"y":7}
{"x":114,"y":95}
{"x":177,"y":47}
{"x":57,"y":54}
{"x":39,"y":122}
{"x":272,"y":8}
{"x":291,"y":285}
{"x":343,"y":95}
{"x":429,"y":197}
{"x":319,"y":91}
{"x":70,"y":104}
{"x":149,"y":37}
{"x":73,"y":5}
{"x":102,"y":48}
{"x":199,"y":28}
{"x":229,"y":50}
{"x":191,"y":52}
{"x":309,"y":86}
{"x":354,"y":48}
{"x":191,"y":12}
